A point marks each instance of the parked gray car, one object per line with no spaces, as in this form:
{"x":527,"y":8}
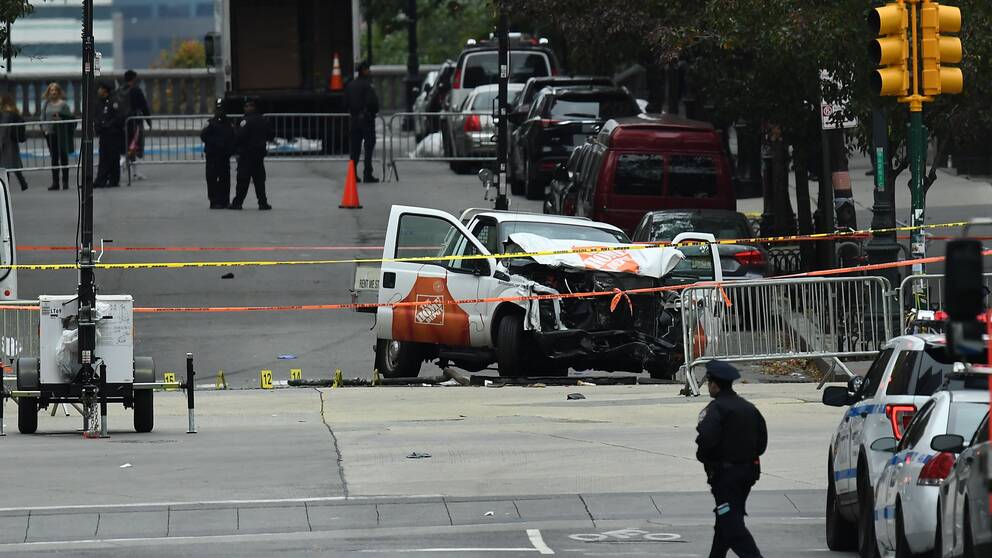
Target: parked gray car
{"x":472,"y":130}
{"x":964,"y":524}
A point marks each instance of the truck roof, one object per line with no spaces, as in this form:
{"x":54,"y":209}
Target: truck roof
{"x":510,"y":216}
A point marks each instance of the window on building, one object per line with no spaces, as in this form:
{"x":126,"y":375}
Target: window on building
{"x":137,"y":44}
{"x":204,"y":9}
{"x":136,"y":12}
{"x":173,"y":10}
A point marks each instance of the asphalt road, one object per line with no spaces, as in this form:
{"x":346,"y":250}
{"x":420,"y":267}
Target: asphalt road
{"x":170,"y":209}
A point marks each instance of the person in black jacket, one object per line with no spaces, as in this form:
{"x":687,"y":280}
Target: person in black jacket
{"x":137,"y":105}
{"x":249,"y":141}
{"x":732,"y":437}
{"x":218,"y":145}
{"x":110,"y":129}
{"x":362,"y":104}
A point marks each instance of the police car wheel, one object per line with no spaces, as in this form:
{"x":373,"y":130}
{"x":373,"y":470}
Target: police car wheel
{"x":902,"y":546}
{"x":841,"y":534}
{"x":867,"y":544}
{"x":27,"y":415}
{"x":967,"y":538}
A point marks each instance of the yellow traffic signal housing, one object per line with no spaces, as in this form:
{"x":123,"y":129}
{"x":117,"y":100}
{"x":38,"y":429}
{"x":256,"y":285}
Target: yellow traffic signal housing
{"x":890,"y":50}
{"x":939,"y":50}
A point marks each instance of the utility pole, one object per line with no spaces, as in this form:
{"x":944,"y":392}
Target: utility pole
{"x":368,"y":31}
{"x":87,"y":280}
{"x":883,"y":247}
{"x":502,"y":105}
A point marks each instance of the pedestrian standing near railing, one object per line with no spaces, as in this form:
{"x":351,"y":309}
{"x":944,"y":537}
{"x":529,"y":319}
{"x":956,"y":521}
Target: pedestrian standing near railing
{"x":218,"y":146}
{"x":136,"y":106}
{"x":58,"y":136}
{"x":251,"y":140}
{"x":11,"y":138}
{"x":362,"y":104}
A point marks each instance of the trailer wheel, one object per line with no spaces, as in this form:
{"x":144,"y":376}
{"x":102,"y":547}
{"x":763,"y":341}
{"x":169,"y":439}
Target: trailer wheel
{"x":144,"y":410}
{"x":27,"y":415}
{"x":144,"y":399}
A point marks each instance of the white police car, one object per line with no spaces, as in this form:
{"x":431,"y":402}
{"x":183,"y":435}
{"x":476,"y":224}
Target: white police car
{"x":909,"y":369}
{"x":906,"y":493}
{"x":964,"y":517}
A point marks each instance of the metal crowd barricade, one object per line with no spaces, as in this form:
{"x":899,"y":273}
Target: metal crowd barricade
{"x":778,"y":319}
{"x":439,"y":140}
{"x":18,"y":332}
{"x":36,"y":153}
{"x":299,"y":137}
{"x":924,"y":292}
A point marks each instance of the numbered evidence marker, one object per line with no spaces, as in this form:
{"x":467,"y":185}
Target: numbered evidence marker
{"x":265,"y":379}
{"x":169,"y":378}
{"x":295,"y":373}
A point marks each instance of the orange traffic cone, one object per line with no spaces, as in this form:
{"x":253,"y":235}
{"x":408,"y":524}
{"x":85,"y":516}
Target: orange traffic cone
{"x":337,"y":84}
{"x":350,"y":198}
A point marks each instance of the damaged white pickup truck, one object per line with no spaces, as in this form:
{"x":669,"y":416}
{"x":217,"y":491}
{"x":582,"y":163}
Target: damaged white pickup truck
{"x":616,"y":332}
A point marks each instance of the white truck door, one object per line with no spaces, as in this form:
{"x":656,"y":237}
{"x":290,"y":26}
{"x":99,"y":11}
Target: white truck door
{"x":432,"y":284}
{"x":8,"y":251}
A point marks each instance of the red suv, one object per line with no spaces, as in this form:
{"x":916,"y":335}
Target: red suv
{"x":644,"y":163}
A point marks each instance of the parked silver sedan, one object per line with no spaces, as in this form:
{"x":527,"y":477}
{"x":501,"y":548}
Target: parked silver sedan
{"x":472,"y":131}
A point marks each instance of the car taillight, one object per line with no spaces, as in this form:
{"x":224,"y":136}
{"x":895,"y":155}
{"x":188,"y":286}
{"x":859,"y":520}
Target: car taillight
{"x":472,"y":123}
{"x":546,"y":122}
{"x":899,"y":417}
{"x":750,"y":257}
{"x":554,"y":71}
{"x":456,"y":82}
{"x":937,"y":469}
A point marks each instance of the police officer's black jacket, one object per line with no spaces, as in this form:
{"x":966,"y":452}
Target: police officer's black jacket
{"x":253,"y":133}
{"x":731,"y":430}
{"x":218,"y":137}
{"x":109,"y":119}
{"x":360,"y":97}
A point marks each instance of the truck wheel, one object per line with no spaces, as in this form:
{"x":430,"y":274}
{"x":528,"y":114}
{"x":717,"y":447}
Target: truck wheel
{"x":398,"y":359}
{"x":144,"y":410}
{"x":841,"y":534}
{"x":27,"y":415}
{"x":512,"y":354}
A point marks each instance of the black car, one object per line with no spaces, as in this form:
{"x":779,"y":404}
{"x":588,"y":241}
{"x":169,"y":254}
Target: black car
{"x":739,"y":261}
{"x":534,"y":86}
{"x":558,"y":121}
{"x":434,"y":99}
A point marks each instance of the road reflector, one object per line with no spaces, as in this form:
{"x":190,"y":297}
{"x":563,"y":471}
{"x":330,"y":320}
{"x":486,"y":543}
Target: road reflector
{"x":295,"y":374}
{"x":169,"y":378}
{"x":265,"y":379}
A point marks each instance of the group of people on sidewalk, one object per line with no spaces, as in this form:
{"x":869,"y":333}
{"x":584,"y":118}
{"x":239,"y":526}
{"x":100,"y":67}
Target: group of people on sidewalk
{"x":121,"y":115}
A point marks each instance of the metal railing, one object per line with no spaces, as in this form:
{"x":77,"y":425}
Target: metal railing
{"x":780,"y":319}
{"x":437,"y":137}
{"x":924,"y":292}
{"x":299,"y":137}
{"x":18,"y":331}
{"x":35,"y":152}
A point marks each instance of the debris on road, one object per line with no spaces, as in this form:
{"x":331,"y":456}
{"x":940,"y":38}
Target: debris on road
{"x":227,"y":276}
{"x":416,"y":455}
{"x":574,"y":396}
{"x":126,"y":466}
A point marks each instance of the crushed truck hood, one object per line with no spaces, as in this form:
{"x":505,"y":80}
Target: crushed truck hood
{"x":620,"y":258}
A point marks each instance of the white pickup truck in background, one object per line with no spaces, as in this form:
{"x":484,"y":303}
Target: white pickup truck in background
{"x":501,"y":322}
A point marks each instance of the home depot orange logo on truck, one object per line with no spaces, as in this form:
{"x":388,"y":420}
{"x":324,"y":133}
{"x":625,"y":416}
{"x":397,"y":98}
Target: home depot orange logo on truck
{"x":433,"y":322}
{"x":614,"y":260}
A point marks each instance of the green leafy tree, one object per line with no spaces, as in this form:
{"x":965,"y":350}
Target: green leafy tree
{"x":443,"y":27}
{"x":11,"y":11}
{"x":185,"y":54}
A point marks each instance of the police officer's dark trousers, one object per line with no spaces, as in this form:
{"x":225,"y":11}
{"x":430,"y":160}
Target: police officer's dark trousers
{"x":731,"y":485}
{"x":108,"y":171}
{"x":219,"y":179}
{"x":251,"y":168}
{"x":362,"y":131}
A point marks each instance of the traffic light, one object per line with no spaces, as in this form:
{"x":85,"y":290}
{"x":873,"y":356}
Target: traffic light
{"x":939,"y":50}
{"x":890,"y":50}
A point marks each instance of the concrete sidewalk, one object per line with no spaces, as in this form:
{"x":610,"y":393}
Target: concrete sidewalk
{"x":204,"y":519}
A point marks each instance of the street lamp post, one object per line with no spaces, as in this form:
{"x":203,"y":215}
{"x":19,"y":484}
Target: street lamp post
{"x":412,"y":60}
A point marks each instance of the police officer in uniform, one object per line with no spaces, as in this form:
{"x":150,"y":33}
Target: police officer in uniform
{"x":218,"y":145}
{"x":362,"y":104}
{"x":252,"y":135}
{"x":109,"y":127}
{"x":732,"y":437}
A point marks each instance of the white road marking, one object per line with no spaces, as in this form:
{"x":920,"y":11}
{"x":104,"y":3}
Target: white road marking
{"x":467,"y":549}
{"x":538,"y":541}
{"x":245,"y":503}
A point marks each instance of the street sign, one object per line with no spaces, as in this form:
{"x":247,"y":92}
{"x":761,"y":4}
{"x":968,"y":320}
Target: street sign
{"x":828,"y":111}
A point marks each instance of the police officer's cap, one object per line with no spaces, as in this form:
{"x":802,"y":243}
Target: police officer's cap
{"x":721,"y":370}
{"x":249,"y":101}
{"x":364,"y":65}
{"x":104,"y":84}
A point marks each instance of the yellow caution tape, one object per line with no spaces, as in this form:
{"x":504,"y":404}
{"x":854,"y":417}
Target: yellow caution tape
{"x":428,"y":259}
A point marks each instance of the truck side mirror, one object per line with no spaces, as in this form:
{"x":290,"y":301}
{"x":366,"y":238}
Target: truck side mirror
{"x":836,"y":396}
{"x":953,"y":443}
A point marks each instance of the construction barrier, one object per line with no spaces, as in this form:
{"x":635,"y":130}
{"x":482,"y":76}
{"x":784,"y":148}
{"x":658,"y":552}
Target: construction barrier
{"x":35,"y":150}
{"x":18,"y":332}
{"x":779,"y":319}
